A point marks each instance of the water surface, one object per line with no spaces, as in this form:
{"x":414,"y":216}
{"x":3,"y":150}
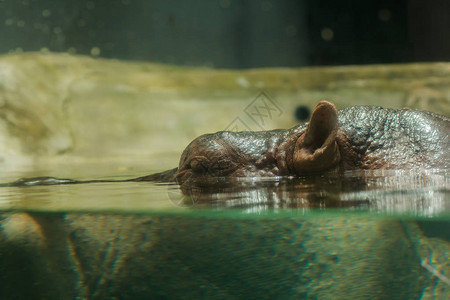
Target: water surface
{"x":422,"y":194}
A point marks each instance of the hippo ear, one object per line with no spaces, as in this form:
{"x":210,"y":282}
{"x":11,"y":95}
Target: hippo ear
{"x":317,"y":150}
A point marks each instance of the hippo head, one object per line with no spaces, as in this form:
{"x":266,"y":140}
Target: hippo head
{"x":210,"y":155}
{"x":300,"y":150}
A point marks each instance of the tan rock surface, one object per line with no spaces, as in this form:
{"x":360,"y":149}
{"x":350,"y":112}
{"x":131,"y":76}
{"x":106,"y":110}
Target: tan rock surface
{"x":57,"y":104}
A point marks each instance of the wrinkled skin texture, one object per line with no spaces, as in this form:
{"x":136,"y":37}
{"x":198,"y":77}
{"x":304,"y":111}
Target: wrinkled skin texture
{"x":360,"y":137}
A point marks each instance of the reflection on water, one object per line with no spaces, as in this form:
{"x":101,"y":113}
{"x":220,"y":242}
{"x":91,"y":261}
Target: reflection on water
{"x":365,"y":234}
{"x":425,"y":194}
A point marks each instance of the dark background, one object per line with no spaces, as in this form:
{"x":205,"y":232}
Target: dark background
{"x":232,"y":33}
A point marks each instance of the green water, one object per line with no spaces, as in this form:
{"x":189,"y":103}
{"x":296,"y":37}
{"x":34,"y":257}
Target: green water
{"x":357,"y":235}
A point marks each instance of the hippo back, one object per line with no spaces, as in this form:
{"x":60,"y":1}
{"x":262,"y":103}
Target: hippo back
{"x":397,"y":138}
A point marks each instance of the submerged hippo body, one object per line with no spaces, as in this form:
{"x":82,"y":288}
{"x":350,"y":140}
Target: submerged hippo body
{"x":360,"y":137}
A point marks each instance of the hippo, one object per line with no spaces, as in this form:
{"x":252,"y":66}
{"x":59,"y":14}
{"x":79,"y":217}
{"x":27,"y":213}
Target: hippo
{"x":358,"y":137}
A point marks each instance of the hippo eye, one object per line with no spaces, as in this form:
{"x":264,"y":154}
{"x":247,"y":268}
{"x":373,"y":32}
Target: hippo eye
{"x":222,"y":164}
{"x":198,"y":166}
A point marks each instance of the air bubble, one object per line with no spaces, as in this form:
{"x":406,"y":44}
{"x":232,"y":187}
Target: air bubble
{"x":46,"y":13}
{"x":95,"y":51}
{"x":327,"y":34}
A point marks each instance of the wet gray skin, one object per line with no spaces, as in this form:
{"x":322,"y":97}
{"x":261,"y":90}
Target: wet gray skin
{"x":359,"y":137}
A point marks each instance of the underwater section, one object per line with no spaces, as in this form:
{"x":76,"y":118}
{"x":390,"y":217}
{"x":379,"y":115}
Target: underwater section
{"x":127,"y":256}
